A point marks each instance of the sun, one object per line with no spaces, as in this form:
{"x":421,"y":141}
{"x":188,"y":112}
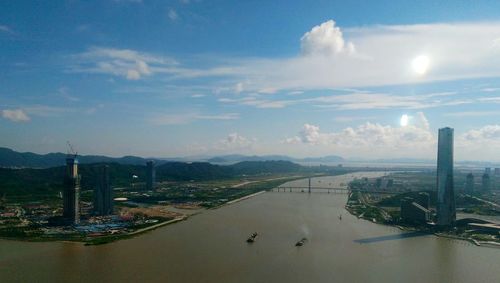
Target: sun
{"x":421,"y":64}
{"x":404,"y":120}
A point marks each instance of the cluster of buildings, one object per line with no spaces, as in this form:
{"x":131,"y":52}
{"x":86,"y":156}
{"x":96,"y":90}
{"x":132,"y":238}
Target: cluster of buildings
{"x":417,"y":210}
{"x":485,"y":181}
{"x":103,"y":193}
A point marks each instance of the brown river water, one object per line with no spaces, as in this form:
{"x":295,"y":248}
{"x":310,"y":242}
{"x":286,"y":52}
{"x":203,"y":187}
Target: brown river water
{"x":211,"y":247}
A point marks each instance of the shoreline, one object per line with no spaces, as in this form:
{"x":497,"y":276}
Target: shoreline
{"x":152,"y":227}
{"x":242,"y":198}
{"x":475,"y":242}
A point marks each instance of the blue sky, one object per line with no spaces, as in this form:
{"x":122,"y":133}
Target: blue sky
{"x":180,"y":78}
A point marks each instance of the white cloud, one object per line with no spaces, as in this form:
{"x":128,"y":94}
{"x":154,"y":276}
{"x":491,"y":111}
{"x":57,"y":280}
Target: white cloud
{"x":371,"y":139}
{"x":235,"y":141}
{"x":356,"y":101}
{"x":471,"y":114}
{"x":325,"y":39}
{"x":490,"y":132}
{"x":383,"y":57}
{"x":186,"y":118}
{"x":490,"y":89}
{"x":64,"y":92}
{"x":172,"y":14}
{"x":15,"y":115}
{"x":46,"y":111}
{"x":128,"y":1}
{"x":479,"y":144}
{"x":421,"y":121}
{"x":257,"y":102}
{"x":130,"y":64}
{"x":343,"y":119}
{"x":239,"y":87}
{"x":4,"y":28}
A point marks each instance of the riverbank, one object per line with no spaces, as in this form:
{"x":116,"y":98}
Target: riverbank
{"x":358,"y":206}
{"x":113,"y":238}
{"x":244,"y":198}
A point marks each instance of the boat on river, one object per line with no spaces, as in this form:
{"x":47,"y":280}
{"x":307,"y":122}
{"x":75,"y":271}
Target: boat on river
{"x":252,"y":237}
{"x":301,"y":242}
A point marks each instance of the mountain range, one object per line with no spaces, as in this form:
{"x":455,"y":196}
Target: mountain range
{"x":13,"y":159}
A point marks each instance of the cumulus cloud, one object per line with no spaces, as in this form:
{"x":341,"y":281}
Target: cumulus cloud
{"x":479,"y":144}
{"x":15,"y":115}
{"x":235,"y":141}
{"x":309,"y":134}
{"x":372,"y":139}
{"x":421,"y":121}
{"x":489,"y":132}
{"x":325,"y":39}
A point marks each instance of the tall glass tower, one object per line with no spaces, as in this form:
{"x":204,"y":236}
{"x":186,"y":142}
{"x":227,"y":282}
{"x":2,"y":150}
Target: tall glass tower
{"x":446,"y":214}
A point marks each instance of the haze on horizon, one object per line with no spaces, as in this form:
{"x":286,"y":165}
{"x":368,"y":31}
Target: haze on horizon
{"x":184,"y":78}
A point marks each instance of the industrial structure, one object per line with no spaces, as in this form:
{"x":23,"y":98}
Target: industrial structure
{"x":103,"y":194}
{"x":150,"y":175}
{"x":469,"y":184}
{"x":446,"y":212}
{"x":71,"y":191}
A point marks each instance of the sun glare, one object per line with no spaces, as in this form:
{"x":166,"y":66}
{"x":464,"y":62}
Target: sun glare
{"x":421,"y":64}
{"x":404,"y":120}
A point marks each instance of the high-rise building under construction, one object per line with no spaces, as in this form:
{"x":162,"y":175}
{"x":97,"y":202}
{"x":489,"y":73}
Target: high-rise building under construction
{"x":103,"y":194}
{"x":71,"y":191}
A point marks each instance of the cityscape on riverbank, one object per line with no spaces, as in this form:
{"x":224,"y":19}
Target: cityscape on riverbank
{"x":249,"y":141}
{"x":145,"y":206}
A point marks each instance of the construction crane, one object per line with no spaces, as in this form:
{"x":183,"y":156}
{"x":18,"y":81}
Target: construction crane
{"x":71,"y":150}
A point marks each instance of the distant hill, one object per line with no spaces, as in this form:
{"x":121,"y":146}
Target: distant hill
{"x":11,"y":158}
{"x":234,"y":158}
{"x":325,"y":159}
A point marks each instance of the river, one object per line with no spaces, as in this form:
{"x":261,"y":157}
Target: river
{"x":211,"y":247}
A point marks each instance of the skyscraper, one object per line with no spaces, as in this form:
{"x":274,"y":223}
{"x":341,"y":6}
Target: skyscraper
{"x":150,"y":175}
{"x":469,"y":184}
{"x":486,"y":182}
{"x":446,"y":213}
{"x":103,"y":194}
{"x":71,"y":191}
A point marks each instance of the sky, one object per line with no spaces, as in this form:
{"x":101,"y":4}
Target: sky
{"x":359,"y":79}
